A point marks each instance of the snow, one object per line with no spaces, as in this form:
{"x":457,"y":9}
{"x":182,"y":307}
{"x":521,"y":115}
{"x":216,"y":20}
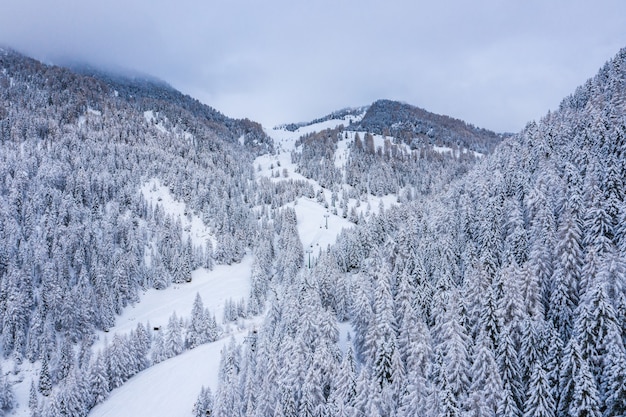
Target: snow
{"x":343,"y":150}
{"x":312,"y":224}
{"x":150,"y":391}
{"x":310,"y":213}
{"x":169,"y":388}
{"x":316,"y":127}
{"x":151,"y":116}
{"x":148,"y":115}
{"x":154,"y":192}
{"x":346,"y":332}
{"x":447,"y":150}
{"x":21,"y":383}
{"x":89,"y":113}
{"x":224,"y":282}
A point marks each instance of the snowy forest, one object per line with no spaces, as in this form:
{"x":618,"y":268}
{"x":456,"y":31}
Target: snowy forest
{"x":473,"y":273}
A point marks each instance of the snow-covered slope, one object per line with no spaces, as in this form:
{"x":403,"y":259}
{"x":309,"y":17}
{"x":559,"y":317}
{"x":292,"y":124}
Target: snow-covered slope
{"x":168,"y":388}
{"x":273,"y":166}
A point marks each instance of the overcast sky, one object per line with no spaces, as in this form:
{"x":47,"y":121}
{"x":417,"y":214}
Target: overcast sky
{"x":497,"y":64}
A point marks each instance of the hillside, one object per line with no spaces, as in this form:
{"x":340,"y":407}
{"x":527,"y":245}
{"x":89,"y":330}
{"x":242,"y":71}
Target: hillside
{"x":503,"y":295}
{"x":80,"y":243}
{"x":118,"y":191}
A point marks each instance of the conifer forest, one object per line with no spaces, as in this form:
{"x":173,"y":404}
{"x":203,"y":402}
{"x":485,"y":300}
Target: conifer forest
{"x":379,"y":261}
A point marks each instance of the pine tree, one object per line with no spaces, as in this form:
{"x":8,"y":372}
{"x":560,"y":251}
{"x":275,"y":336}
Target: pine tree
{"x":173,"y":338}
{"x":510,"y":371}
{"x":508,"y":405}
{"x":533,"y":349}
{"x":119,"y":361}
{"x":140,"y":346}
{"x":204,"y":404}
{"x":585,"y":401}
{"x":362,"y":315}
{"x":450,"y":406}
{"x":486,"y":386}
{"x":52,"y":408}
{"x":539,"y":401}
{"x":598,"y":224}
{"x":45,"y":381}
{"x":227,"y":401}
{"x":510,"y":307}
{"x":614,"y":383}
{"x":71,"y":397}
{"x":345,"y":383}
{"x":7,"y":396}
{"x":158,"y":348}
{"x":66,"y":360}
{"x":383,"y":331}
{"x":453,"y":349}
{"x":594,"y":325}
{"x":197,"y":332}
{"x":99,"y":380}
{"x":33,"y":400}
{"x":208,"y":255}
{"x":565,"y":296}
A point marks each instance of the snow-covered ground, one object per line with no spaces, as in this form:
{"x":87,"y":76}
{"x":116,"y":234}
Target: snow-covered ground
{"x":156,"y":193}
{"x":169,"y":388}
{"x":224,"y":282}
{"x":285,"y":142}
{"x":151,"y":117}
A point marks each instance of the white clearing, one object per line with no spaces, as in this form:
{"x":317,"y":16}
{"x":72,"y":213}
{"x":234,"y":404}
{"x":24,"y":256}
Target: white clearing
{"x":151,"y":117}
{"x":156,"y":193}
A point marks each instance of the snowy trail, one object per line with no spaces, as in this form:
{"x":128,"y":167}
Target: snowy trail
{"x":169,"y":388}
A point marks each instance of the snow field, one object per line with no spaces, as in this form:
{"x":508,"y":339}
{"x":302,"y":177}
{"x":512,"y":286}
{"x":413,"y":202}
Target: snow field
{"x":224,"y":282}
{"x":156,"y":193}
{"x":150,"y":116}
{"x":169,"y":388}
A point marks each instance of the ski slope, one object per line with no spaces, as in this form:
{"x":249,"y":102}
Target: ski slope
{"x":169,"y":388}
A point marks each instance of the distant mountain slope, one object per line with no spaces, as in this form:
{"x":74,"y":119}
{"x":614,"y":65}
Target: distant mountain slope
{"x":153,"y":94}
{"x":415,"y":126}
{"x":349,"y":147}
